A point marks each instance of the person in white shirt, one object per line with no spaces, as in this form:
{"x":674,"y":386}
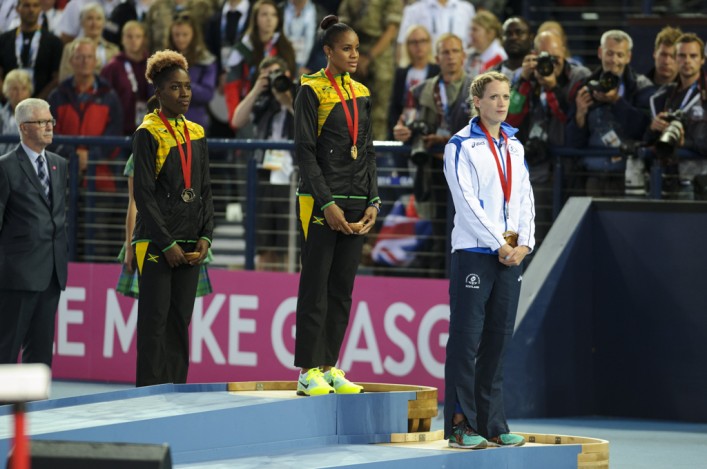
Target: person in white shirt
{"x":438,"y":17}
{"x":494,"y":230}
{"x":69,"y":26}
{"x":486,"y":50}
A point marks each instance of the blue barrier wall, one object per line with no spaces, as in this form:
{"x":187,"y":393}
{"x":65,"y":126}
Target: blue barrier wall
{"x":617,"y":322}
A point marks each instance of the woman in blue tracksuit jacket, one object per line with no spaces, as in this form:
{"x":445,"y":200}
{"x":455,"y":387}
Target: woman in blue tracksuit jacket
{"x":494,"y":229}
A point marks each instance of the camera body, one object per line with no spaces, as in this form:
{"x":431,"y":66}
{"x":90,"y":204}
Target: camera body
{"x":545,"y":65}
{"x":670,"y":138}
{"x":418,"y":152}
{"x":279,"y":81}
{"x":607,"y":81}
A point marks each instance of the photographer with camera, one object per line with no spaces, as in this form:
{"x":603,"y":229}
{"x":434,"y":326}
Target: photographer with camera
{"x":540,"y":101}
{"x":442,"y":109}
{"x":610,"y":107}
{"x":269,"y":106}
{"x":665,"y":67}
{"x":678,"y":110}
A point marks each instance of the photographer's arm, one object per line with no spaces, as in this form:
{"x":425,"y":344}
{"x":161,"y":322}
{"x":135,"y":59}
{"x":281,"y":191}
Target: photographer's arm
{"x":242,"y":114}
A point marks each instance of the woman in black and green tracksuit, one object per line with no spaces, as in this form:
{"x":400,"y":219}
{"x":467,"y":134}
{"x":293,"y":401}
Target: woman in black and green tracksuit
{"x":337,"y":188}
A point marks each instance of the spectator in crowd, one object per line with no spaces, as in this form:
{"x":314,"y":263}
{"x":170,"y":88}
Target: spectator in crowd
{"x":610,"y":107}
{"x":337,"y":193}
{"x":487,"y":51}
{"x":270,"y":107}
{"x":162,"y":12}
{"x":688,"y":95}
{"x":93,"y":21}
{"x":665,"y":69}
{"x":174,"y":224}
{"x":186,"y":38}
{"x":493,"y":232}
{"x":517,"y":42}
{"x":125,"y":73}
{"x":442,"y":109}
{"x":16,"y":87}
{"x":300,"y":19}
{"x":129,"y":10}
{"x":376,"y":22}
{"x":33,"y":238}
{"x":70,"y":25}
{"x":417,"y":66}
{"x":541,"y":100}
{"x":48,"y":17}
{"x":40,"y":51}
{"x":225,"y":29}
{"x":263,"y":38}
{"x":438,"y":17}
{"x":85,"y":104}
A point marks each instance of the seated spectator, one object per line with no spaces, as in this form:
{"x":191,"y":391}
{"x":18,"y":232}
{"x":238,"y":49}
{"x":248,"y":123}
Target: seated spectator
{"x":301,"y":19}
{"x":125,"y":73}
{"x":610,"y":108}
{"x":438,"y":17}
{"x":186,"y":38}
{"x":417,"y":65}
{"x":687,"y":96}
{"x":665,"y":69}
{"x":93,"y":20}
{"x":69,"y":26}
{"x":263,"y":38}
{"x":16,"y":87}
{"x":100,"y":110}
{"x":517,"y":42}
{"x":129,"y":10}
{"x":271,"y":111}
{"x":486,"y":49}
{"x":39,"y":53}
{"x":162,"y":12}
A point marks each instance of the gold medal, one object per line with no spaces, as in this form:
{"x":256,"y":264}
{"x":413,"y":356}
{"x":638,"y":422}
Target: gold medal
{"x":354,"y":152}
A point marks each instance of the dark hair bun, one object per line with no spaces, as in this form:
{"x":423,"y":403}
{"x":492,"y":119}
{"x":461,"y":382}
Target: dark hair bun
{"x":328,"y":21}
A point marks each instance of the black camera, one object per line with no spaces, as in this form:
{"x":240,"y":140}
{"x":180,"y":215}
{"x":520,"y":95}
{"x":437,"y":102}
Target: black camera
{"x":607,"y":81}
{"x":279,"y":81}
{"x":418,"y":152}
{"x":545,"y":64}
{"x":670,"y":138}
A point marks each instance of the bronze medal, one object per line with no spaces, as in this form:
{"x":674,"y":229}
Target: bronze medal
{"x":354,"y":152}
{"x":188,"y":195}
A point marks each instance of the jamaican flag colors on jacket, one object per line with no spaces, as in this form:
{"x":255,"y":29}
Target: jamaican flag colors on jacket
{"x":328,"y":173}
{"x":163,"y":217}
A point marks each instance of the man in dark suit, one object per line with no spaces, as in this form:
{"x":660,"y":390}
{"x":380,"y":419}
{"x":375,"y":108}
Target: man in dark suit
{"x":33,"y":242}
{"x":31,"y":48}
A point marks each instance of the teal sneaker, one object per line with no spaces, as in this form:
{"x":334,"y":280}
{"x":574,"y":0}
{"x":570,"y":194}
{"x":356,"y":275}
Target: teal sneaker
{"x":507,"y":439}
{"x":463,"y":436}
{"x":312,"y":383}
{"x":336,"y":379}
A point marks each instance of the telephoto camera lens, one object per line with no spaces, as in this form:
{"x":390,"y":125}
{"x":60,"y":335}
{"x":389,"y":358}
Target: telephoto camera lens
{"x":279,"y":81}
{"x":545,"y":65}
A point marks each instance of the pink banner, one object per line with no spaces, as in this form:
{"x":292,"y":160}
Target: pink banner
{"x":244,"y":331}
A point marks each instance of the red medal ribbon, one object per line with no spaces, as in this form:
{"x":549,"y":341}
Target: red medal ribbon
{"x":506,"y":182}
{"x":186,"y":160}
{"x":352,"y":123}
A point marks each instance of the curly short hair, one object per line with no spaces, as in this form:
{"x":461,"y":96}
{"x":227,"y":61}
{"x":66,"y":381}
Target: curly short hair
{"x":163,"y":62}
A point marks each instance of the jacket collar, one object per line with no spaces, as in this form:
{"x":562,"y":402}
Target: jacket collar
{"x":475,"y":129}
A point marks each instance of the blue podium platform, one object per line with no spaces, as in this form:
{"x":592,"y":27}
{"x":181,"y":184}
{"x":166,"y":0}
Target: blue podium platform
{"x":209,"y":426}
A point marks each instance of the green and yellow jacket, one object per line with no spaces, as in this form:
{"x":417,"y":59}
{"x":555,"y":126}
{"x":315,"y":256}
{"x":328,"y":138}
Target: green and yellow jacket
{"x":162,"y":216}
{"x":323,"y":143}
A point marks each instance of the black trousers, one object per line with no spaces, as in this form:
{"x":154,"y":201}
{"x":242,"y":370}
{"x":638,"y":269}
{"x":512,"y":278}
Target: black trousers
{"x":329,"y":263}
{"x":483,"y":302}
{"x":27,"y":322}
{"x":164,"y":312}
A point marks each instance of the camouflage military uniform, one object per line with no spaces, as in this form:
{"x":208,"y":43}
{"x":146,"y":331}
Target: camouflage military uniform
{"x":370,"y":19}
